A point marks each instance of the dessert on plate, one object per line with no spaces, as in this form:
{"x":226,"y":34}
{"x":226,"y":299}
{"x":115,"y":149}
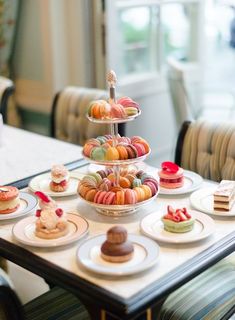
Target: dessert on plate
{"x":117,"y":248}
{"x":59,"y":178}
{"x":224,"y":195}
{"x":100,"y":187}
{"x":177,"y":220}
{"x":171,"y":175}
{"x":102,"y":148}
{"x":51,"y":221}
{"x":9,"y":199}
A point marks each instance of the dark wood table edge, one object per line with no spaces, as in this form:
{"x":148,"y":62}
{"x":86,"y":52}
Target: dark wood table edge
{"x":125,"y":308}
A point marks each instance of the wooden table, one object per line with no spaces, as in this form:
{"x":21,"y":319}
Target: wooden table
{"x":130,"y":296}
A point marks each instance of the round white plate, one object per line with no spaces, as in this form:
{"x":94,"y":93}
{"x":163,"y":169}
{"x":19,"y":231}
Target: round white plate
{"x":202,"y":200}
{"x":145,"y":256}
{"x":152,"y":226}
{"x":192,"y":181}
{"x":27,"y":203}
{"x":41,"y":183}
{"x":23,"y":231}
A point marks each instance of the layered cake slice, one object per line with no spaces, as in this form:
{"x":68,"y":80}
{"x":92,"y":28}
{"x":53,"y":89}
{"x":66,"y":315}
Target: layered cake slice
{"x":224,"y":196}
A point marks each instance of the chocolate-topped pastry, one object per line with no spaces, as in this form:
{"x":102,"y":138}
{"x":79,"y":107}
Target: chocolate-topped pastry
{"x":117,"y":248}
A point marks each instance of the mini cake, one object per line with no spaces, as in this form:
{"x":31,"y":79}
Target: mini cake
{"x":59,"y":178}
{"x":177,"y":221}
{"x":117,"y":248}
{"x":224,"y":196}
{"x":9,"y":199}
{"x":51,"y":222}
{"x":171,"y":175}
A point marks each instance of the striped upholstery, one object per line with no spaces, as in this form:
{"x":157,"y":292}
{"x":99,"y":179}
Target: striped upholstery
{"x":69,"y":122}
{"x":209,"y":296}
{"x":56,"y":304}
{"x":209,"y":149}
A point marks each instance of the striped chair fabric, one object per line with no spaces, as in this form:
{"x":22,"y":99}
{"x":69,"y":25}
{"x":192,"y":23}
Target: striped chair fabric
{"x":209,"y":149}
{"x":55,"y":304}
{"x":209,"y":296}
{"x":69,"y":121}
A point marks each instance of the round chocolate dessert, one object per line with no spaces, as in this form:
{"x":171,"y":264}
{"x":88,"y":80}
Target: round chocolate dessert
{"x":117,"y":248}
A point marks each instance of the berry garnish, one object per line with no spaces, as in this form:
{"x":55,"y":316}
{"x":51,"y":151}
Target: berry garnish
{"x":59,"y":212}
{"x":177,"y":215}
{"x":169,"y":167}
{"x":38,"y":213}
{"x":42,"y":196}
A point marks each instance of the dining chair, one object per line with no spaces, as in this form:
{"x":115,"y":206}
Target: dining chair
{"x":54,"y":304}
{"x":209,"y":296}
{"x":190,"y":99}
{"x":8,"y":108}
{"x":68,"y":118}
{"x":208,"y":148}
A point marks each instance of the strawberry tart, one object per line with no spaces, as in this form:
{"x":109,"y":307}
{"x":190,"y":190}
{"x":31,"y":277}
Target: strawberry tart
{"x":59,"y":178}
{"x":9,"y":199}
{"x":51,"y":221}
{"x":177,"y":220}
{"x":171,"y":175}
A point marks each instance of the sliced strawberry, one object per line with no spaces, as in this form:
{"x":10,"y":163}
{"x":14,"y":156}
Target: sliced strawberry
{"x":42,"y":196}
{"x":186,"y":213}
{"x":181,"y":215}
{"x":176,"y":218}
{"x":38,"y":213}
{"x":168,"y":216}
{"x":170,"y":210}
{"x":59,"y":212}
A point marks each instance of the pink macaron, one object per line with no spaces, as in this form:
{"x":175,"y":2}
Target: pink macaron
{"x":109,"y":198}
{"x":130,"y":196}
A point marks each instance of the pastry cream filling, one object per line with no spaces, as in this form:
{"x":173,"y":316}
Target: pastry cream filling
{"x":9,"y":204}
{"x":60,"y":179}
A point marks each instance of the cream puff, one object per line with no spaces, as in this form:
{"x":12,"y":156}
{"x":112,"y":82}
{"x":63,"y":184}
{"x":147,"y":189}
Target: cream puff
{"x":59,"y":178}
{"x":9,"y":199}
{"x":117,"y":248}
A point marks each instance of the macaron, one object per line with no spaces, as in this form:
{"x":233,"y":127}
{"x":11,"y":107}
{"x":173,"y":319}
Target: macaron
{"x":132,"y":152}
{"x":109,"y":198}
{"x":100,"y":196}
{"x":105,"y":185}
{"x":123,"y":154}
{"x":140,"y":149}
{"x":9,"y":199}
{"x":98,"y":154}
{"x":112,"y":154}
{"x":120,"y":197}
{"x":140,"y":193}
{"x":117,"y":111}
{"x":136,"y":183}
{"x":130,"y":196}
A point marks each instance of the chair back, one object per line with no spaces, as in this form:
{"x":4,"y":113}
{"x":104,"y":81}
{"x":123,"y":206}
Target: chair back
{"x":207,"y":148}
{"x":185,"y":88}
{"x":69,"y":122}
{"x":6,"y":90}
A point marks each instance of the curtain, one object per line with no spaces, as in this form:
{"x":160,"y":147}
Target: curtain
{"x":8,"y":16}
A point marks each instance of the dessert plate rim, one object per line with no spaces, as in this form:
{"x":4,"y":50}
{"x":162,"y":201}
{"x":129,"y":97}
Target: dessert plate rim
{"x":31,"y":202}
{"x":34,"y":185}
{"x":190,"y":175}
{"x":146,"y":227}
{"x":18,"y":232}
{"x":84,"y":258}
{"x":198,"y":195}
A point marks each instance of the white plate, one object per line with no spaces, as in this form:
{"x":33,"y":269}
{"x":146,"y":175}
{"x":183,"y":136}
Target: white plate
{"x":41,"y":183}
{"x":23,"y":231}
{"x":145,"y":256}
{"x":27,"y":203}
{"x":152,"y":226}
{"x":116,"y":120}
{"x":202,"y":200}
{"x":192,"y":181}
